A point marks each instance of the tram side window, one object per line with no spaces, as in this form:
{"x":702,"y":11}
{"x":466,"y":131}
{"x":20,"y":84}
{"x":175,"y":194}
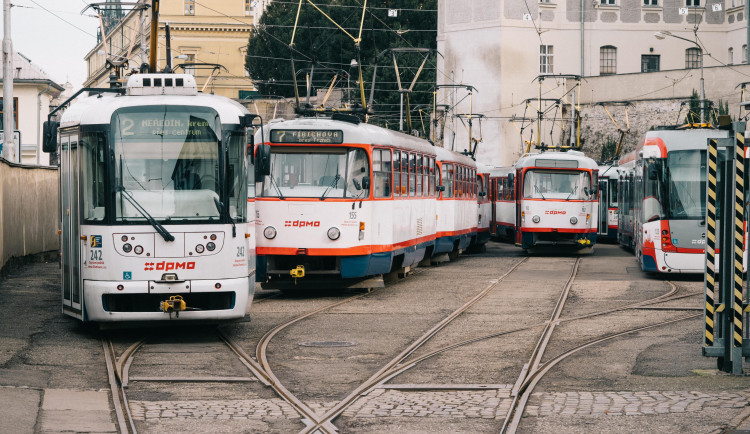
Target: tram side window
{"x":412,"y":174}
{"x":396,"y":173}
{"x":404,"y":173}
{"x":235,"y":176}
{"x":93,"y":176}
{"x":432,"y":176}
{"x":448,"y":180}
{"x":420,"y":174}
{"x":381,"y":168}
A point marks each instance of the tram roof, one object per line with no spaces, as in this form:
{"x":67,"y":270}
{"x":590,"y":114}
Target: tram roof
{"x":448,"y":155}
{"x":360,"y":133}
{"x":98,"y":109}
{"x":530,"y":160}
{"x":696,"y":138}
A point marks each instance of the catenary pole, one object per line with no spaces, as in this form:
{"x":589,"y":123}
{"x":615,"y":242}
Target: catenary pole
{"x":9,"y":148}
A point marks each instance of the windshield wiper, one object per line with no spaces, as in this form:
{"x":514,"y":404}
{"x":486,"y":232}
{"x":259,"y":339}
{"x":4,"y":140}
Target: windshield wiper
{"x":330,"y":186}
{"x":572,"y":192}
{"x":223,"y":212}
{"x":278,"y":189}
{"x":536,"y":187}
{"x":159,"y":228}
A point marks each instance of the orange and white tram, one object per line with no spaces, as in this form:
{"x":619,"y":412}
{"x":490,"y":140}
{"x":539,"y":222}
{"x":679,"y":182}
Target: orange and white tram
{"x":457,"y":207}
{"x":345,"y":203}
{"x":609,"y":177}
{"x":484,"y":208}
{"x":155,"y":221}
{"x":547,"y":199}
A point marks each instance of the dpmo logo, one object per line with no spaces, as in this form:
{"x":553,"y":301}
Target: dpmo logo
{"x":301,"y":224}
{"x":166,"y":266}
{"x":555,"y":212}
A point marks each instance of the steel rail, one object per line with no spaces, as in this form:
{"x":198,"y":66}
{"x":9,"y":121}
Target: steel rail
{"x":119,"y":399}
{"x":262,"y":360}
{"x":536,"y":355}
{"x":535,"y":377}
{"x":385,"y":370}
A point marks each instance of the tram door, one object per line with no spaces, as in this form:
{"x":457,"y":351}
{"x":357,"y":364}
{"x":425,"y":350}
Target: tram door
{"x":70,"y":243}
{"x":603,"y":207}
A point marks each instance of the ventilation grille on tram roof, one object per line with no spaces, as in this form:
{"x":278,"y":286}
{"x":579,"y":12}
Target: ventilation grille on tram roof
{"x":162,"y":84}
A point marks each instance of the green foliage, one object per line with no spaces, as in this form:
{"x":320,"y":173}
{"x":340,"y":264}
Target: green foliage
{"x":608,"y":150}
{"x":318,"y":42}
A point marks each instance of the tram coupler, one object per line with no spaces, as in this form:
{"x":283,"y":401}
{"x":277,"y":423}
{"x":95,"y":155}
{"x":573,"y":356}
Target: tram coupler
{"x":584,"y":241}
{"x":174,"y":304}
{"x":297,"y":273}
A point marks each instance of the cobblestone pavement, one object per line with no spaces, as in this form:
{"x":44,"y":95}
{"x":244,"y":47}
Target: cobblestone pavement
{"x":488,"y":404}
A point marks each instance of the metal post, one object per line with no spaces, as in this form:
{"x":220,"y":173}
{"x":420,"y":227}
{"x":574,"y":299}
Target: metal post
{"x":703,"y":91}
{"x":726,"y":272}
{"x":738,"y":247}
{"x":401,"y":113}
{"x":9,"y":150}
{"x":710,"y":276}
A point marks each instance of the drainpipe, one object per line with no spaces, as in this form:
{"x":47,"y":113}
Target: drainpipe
{"x":39,"y":124}
{"x":583,"y":18}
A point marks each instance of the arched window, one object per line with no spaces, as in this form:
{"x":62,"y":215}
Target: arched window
{"x":607,"y":60}
{"x":744,"y":53}
{"x":730,"y":56}
{"x":693,"y":58}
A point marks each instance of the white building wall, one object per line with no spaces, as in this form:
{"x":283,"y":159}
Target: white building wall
{"x":488,"y":44}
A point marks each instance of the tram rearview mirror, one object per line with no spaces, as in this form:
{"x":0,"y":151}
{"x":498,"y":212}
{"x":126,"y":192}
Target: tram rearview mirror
{"x":440,"y":188}
{"x":262,"y":161}
{"x":653,"y":174}
{"x":49,"y":143}
{"x":366,"y":182}
{"x":510,"y":178}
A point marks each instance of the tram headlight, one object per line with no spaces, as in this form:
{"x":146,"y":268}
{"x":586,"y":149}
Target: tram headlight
{"x":210,"y":246}
{"x":127,"y":247}
{"x":213,"y":237}
{"x":199,"y":248}
{"x":124,"y":238}
{"x":138,"y":250}
{"x":573,"y":220}
{"x":269,"y":232}
{"x":535,"y":219}
{"x":334,"y":233}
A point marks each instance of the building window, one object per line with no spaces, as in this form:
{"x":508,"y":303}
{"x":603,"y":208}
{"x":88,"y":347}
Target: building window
{"x":744,"y":53}
{"x":247,"y":8}
{"x":649,"y":62}
{"x":730,"y":56}
{"x":650,"y":2}
{"x":609,"y":2}
{"x":15,"y":114}
{"x":189,"y":7}
{"x":546,"y":59}
{"x":190,"y":59}
{"x":693,"y":58}
{"x":692,"y":3}
{"x":737,"y":3}
{"x":607,"y":60}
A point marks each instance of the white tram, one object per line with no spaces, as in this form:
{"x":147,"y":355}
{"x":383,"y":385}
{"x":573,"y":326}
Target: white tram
{"x":547,"y":199}
{"x":609,"y":177}
{"x":663,"y":200}
{"x":155,"y":219}
{"x":345,"y":202}
{"x":457,"y":207}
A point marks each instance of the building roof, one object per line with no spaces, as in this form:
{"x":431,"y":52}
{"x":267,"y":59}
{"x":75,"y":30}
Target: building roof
{"x":27,"y":72}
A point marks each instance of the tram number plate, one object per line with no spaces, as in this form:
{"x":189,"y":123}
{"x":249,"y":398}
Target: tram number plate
{"x":96,"y":255}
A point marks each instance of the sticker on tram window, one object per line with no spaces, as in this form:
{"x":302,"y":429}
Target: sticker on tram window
{"x":127,"y":275}
{"x":96,"y":241}
{"x":307,"y":136}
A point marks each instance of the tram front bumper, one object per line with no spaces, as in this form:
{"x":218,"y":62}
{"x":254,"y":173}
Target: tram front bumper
{"x":220,"y":299}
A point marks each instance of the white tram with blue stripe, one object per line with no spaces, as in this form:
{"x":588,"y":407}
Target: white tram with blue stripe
{"x":347,"y":202}
{"x":154,"y":212}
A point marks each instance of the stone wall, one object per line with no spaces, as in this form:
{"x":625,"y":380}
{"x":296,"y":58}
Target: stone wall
{"x":28,"y":210}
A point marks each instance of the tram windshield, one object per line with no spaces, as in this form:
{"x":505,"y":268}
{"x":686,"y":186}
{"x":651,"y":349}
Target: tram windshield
{"x":556,"y":184}
{"x":317,"y":172}
{"x":686,"y":184}
{"x":167,"y":159}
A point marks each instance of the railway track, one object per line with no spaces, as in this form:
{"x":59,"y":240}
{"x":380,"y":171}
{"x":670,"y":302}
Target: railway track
{"x":314,"y":422}
{"x":118,"y":370}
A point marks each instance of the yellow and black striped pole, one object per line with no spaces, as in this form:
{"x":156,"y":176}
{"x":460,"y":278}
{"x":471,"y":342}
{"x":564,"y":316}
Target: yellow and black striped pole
{"x":713,"y":151}
{"x":739,"y":234}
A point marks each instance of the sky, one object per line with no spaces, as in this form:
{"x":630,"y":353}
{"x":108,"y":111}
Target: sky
{"x":55,"y":39}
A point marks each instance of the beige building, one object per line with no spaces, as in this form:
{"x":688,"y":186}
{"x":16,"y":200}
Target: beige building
{"x":501,"y":46}
{"x":33,"y":93}
{"x":201,"y":31}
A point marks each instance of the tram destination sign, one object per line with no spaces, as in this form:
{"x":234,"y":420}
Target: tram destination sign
{"x":333,"y":137}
